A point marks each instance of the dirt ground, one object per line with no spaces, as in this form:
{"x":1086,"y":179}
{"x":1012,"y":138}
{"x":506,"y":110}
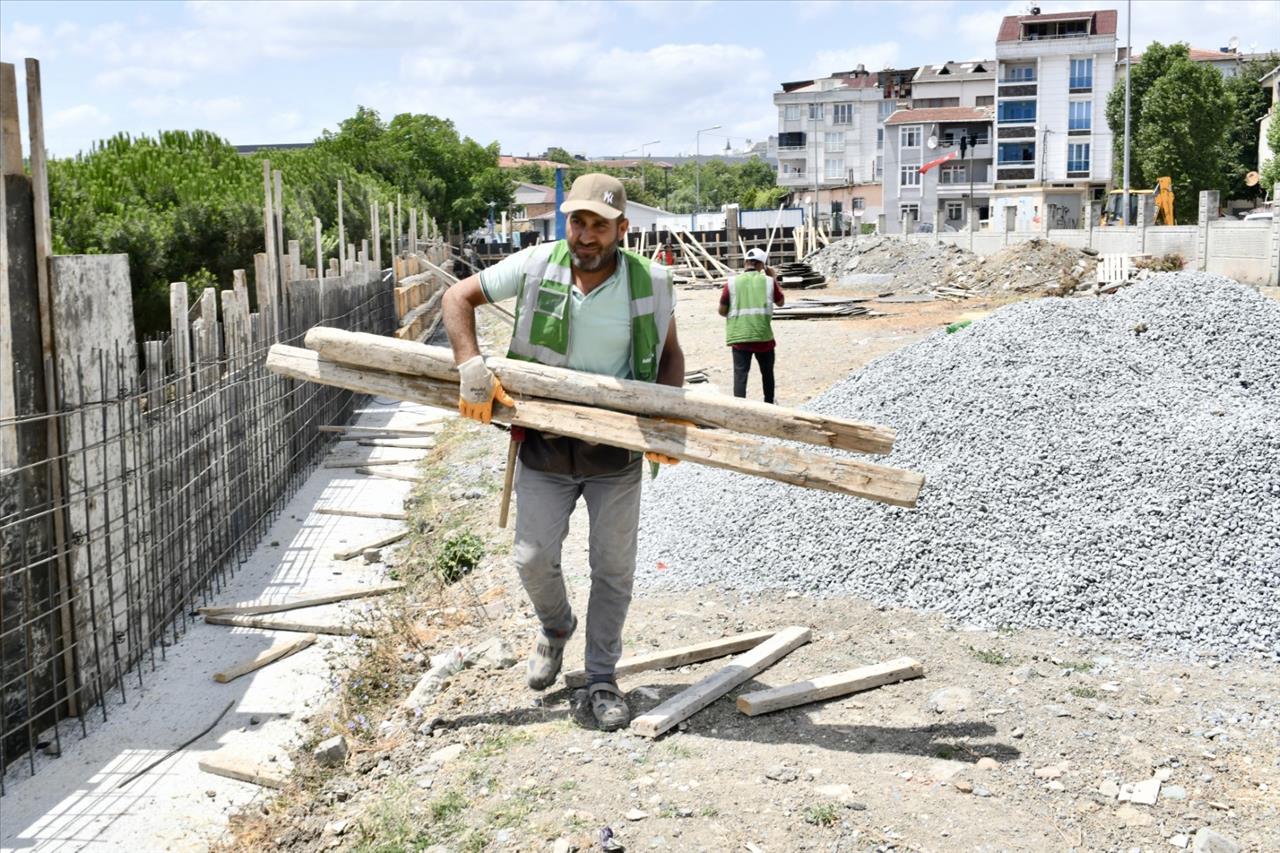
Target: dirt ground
{"x":1011,"y":741}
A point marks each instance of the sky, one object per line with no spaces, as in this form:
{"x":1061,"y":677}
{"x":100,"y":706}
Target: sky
{"x":597,"y":78}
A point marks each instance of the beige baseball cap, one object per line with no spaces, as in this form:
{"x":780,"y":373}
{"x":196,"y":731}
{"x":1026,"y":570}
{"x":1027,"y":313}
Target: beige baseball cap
{"x":601,"y":194}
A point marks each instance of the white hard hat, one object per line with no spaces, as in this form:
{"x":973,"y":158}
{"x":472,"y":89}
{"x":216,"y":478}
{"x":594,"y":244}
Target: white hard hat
{"x":757,"y":255}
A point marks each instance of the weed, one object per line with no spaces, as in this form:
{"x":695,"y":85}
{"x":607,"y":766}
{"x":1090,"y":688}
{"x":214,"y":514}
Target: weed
{"x":678,"y":750}
{"x":568,"y":784}
{"x":458,"y":555}
{"x":946,"y":753}
{"x":1078,"y":665}
{"x":990,"y":656}
{"x":500,"y":743}
{"x":1083,"y":692}
{"x":475,"y":842}
{"x":448,"y":807}
{"x":823,"y":815}
{"x":709,"y":811}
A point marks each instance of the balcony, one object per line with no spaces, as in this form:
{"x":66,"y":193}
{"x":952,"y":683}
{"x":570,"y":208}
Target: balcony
{"x":1017,"y":90}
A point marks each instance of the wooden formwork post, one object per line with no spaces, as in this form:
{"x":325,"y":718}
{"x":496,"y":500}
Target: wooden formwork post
{"x":342,"y":235}
{"x":271,"y":276}
{"x":319,"y":250}
{"x":179,"y":337}
{"x":375,"y":222}
{"x":281,"y":303}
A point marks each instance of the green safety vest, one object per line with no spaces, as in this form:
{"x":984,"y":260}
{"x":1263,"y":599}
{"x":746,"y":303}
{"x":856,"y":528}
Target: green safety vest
{"x":750,"y":316}
{"x":542,"y":333}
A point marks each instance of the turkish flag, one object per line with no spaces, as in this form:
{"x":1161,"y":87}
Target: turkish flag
{"x":927,"y":166}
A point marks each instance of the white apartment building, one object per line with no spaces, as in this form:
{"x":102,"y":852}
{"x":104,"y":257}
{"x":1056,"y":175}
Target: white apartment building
{"x":831,"y":138}
{"x":1053,"y":146}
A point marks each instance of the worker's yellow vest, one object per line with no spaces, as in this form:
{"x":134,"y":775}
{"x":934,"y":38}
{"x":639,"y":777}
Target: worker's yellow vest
{"x":750,"y":316}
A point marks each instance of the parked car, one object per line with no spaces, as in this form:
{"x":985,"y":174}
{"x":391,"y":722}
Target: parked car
{"x":1260,"y":215}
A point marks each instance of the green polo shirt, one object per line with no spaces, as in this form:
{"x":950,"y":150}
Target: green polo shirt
{"x":599,"y":322}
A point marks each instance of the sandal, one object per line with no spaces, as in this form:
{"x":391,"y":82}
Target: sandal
{"x":608,"y":706}
{"x":547,"y":657}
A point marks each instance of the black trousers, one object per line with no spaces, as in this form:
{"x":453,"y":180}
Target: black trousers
{"x":742,"y":366}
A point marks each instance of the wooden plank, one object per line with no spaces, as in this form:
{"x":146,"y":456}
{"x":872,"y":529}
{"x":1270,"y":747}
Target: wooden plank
{"x":379,"y":431}
{"x":271,"y":655}
{"x":718,"y":448}
{"x":365,"y":463}
{"x":672,"y":658}
{"x":388,"y":475}
{"x":689,"y":702}
{"x":266,"y":623}
{"x":408,"y":443}
{"x":829,"y":686}
{"x":641,"y":398}
{"x":348,"y":553}
{"x":243,"y":770}
{"x":362,"y":513}
{"x":346,"y":594}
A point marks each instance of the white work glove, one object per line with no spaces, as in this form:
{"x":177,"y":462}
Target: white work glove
{"x":477,"y":390}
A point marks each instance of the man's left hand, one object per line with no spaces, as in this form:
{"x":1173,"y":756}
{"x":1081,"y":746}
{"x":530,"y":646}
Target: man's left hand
{"x":662,"y":458}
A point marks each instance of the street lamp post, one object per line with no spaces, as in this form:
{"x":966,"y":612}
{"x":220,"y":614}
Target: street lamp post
{"x":697,"y":170}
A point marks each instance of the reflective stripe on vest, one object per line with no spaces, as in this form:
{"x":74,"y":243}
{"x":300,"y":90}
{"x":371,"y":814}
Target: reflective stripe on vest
{"x":543,"y":331}
{"x":750,"y":309}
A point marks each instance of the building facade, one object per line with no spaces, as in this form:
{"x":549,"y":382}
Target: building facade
{"x":831,"y":139}
{"x":1053,"y":146}
{"x":949,"y":102}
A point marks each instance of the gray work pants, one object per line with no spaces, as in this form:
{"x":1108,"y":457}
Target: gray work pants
{"x":544,"y":503}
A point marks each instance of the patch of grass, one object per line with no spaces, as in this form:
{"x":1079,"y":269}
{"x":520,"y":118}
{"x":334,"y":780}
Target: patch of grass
{"x":475,"y":842}
{"x":823,"y":815}
{"x":1077,"y":665}
{"x":708,"y":811}
{"x":501,"y":742}
{"x":448,"y":807}
{"x":394,"y":823}
{"x":946,"y":753}
{"x":1083,"y":692}
{"x":568,"y":784}
{"x":991,"y":656}
{"x":677,"y":750}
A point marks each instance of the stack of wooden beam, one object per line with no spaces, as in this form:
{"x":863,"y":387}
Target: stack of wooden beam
{"x":617,"y":412}
{"x":815,"y":308}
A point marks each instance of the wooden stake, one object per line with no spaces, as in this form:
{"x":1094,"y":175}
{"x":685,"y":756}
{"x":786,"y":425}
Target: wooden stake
{"x":348,"y":594}
{"x":389,"y":475}
{"x":243,"y":770}
{"x":348,"y":553}
{"x":266,"y":623}
{"x":689,"y":702}
{"x":271,"y":655}
{"x":513,"y":449}
{"x":829,"y":686}
{"x":407,"y":443}
{"x":365,"y":463}
{"x":352,"y":429}
{"x":361,"y":513}
{"x":672,"y":658}
{"x":319,"y":252}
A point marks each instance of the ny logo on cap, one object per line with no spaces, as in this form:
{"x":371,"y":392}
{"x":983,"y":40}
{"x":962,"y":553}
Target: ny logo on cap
{"x":608,"y":198}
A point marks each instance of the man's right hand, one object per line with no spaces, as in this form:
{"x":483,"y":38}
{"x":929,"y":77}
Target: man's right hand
{"x":478,"y":389}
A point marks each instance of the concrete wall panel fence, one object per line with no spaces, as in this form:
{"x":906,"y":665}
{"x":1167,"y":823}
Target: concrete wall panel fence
{"x":135,"y":475}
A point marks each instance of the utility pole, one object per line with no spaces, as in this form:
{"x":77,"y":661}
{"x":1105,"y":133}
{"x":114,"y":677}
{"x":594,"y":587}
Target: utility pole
{"x":1128,"y":62}
{"x":697,"y":172}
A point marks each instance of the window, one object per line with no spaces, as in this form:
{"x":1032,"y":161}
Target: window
{"x":977,"y":136}
{"x":879,"y":167}
{"x":952,"y":173}
{"x":911,"y":211}
{"x":909,"y":175}
{"x":887,"y":108}
{"x":1078,"y":157}
{"x":1024,"y":73}
{"x":1012,"y":112}
{"x":859,"y":203}
{"x":791,"y":112}
{"x":909,"y":137}
{"x":815,"y":112}
{"x":795,"y":171}
{"x":1035,"y":31}
{"x":955,"y":211}
{"x":879,"y":138}
{"x":984,"y":100}
{"x":842,"y":114}
{"x":930,"y":103}
{"x":795,"y":139}
{"x":835,"y":167}
{"x":1080,"y":115}
{"x":1016,"y":153}
{"x":834,"y":142}
{"x":1082,"y":73}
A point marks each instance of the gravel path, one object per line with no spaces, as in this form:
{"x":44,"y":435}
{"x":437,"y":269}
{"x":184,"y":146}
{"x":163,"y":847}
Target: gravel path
{"x":1103,"y":466}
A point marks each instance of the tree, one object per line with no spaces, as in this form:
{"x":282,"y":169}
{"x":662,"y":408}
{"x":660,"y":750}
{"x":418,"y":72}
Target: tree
{"x":1250,"y":102}
{"x":1182,"y":133}
{"x":1154,"y":64}
{"x":1271,"y":169}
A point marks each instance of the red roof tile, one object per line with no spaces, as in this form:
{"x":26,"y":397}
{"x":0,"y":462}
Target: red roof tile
{"x":1102,"y":22}
{"x":939,"y":114}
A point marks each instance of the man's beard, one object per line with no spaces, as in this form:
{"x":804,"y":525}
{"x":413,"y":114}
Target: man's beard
{"x":588,"y":263}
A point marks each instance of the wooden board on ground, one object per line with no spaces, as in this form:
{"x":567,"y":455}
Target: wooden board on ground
{"x":829,"y":686}
{"x":362,"y":513}
{"x":266,"y":623}
{"x":671,"y":658}
{"x":347,"y":594}
{"x":391,"y":539}
{"x":243,"y":769}
{"x":278,"y":651}
{"x":388,"y":475}
{"x":378,"y":431}
{"x":365,"y":463}
{"x":409,"y":443}
{"x":689,"y":702}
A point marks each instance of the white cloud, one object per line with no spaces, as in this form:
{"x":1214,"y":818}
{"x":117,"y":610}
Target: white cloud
{"x":135,"y":76}
{"x":81,"y":117}
{"x":873,"y":56}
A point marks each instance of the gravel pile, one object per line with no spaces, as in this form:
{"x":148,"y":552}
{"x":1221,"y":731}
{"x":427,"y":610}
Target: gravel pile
{"x":921,"y":265}
{"x":1107,"y":467}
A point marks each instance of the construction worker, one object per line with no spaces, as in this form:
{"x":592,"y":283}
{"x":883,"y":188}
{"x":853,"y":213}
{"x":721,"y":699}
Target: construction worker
{"x":586,"y":304}
{"x":747,"y":301}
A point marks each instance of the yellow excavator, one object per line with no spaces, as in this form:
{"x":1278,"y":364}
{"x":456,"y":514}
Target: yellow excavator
{"x":1111,"y":213}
